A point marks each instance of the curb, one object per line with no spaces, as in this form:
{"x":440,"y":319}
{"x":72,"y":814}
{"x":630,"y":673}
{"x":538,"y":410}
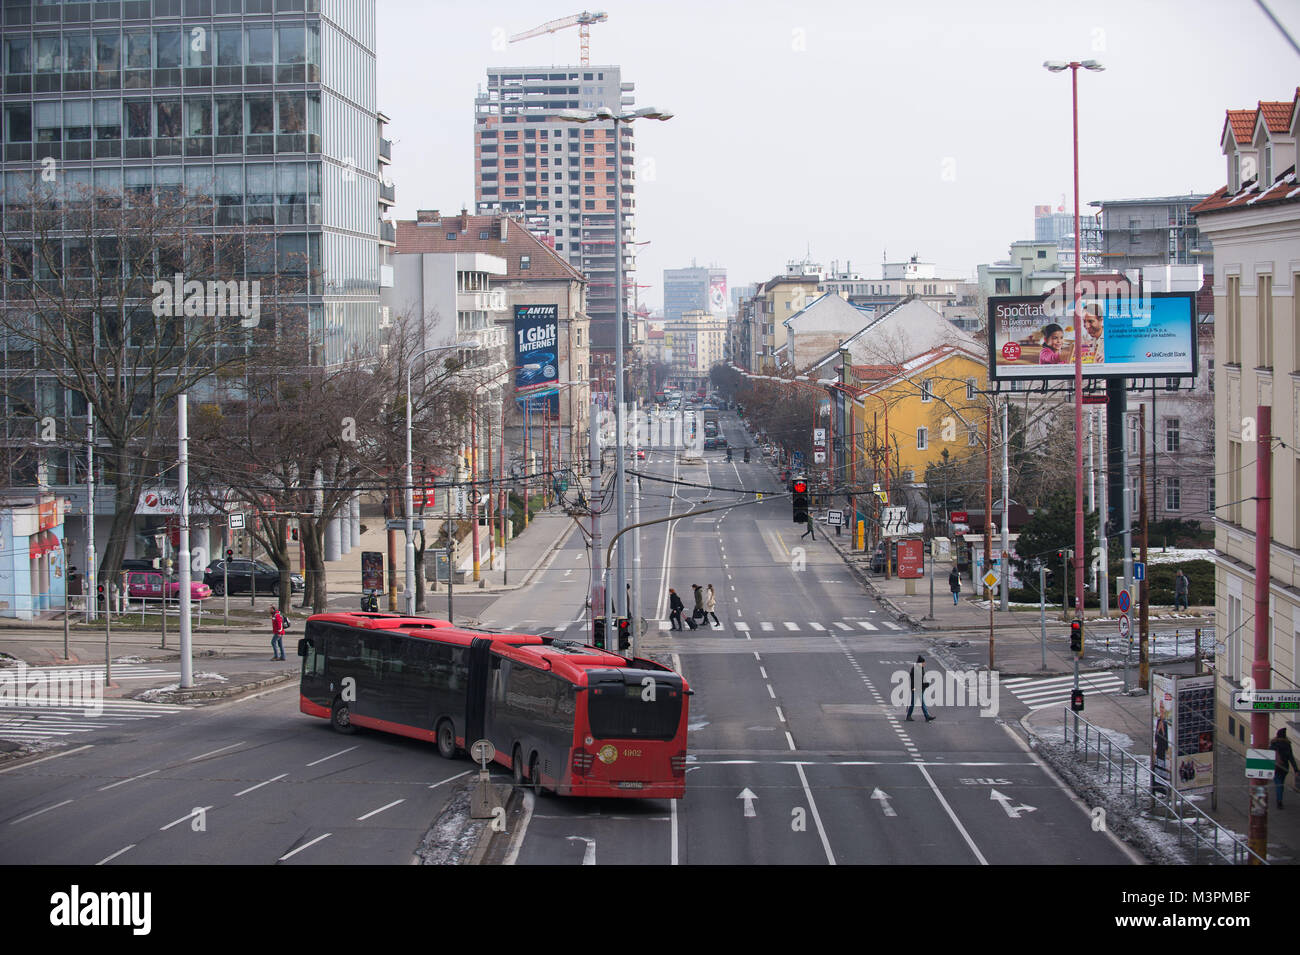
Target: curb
{"x":221,"y":692}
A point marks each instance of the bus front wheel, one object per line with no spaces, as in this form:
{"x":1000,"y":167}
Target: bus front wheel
{"x":341,"y":718}
{"x":446,"y":740}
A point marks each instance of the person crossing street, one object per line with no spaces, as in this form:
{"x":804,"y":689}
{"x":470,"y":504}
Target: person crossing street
{"x":918,"y":687}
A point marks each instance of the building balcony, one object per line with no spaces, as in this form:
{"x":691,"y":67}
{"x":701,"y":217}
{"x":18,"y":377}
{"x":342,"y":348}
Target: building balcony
{"x":387,"y":194}
{"x":385,"y":150}
{"x":387,"y":233}
{"x":492,"y":301}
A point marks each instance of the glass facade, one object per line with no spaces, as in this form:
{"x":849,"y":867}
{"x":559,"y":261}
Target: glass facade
{"x":262,"y":113}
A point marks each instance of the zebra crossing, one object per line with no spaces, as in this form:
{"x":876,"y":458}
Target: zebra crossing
{"x":763,"y":626}
{"x":25,"y":720}
{"x":1039,"y":694}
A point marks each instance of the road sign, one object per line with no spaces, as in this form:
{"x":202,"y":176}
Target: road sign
{"x":990,"y":580}
{"x":1094,"y":399}
{"x":819,"y":457}
{"x":835,"y":518}
{"x":483,"y":752}
{"x":1125,"y":625}
{"x":1125,"y":601}
{"x":1265,"y":701}
{"x":235,"y":521}
{"x":1260,"y":764}
{"x":893,"y":521}
{"x":475,"y":495}
{"x":1139,"y":570}
{"x":399,"y":524}
{"x":819,"y":436}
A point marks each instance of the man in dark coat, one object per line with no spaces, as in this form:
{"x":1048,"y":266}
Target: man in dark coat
{"x":1285,"y":761}
{"x":954,"y":584}
{"x":918,"y":686}
{"x":675,"y":608}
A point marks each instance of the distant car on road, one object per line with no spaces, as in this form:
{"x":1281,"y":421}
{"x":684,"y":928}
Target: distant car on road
{"x":241,"y":576}
{"x":142,"y":583}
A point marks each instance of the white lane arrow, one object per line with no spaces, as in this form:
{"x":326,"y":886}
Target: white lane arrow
{"x":749,"y":798}
{"x":884,"y":801}
{"x":1005,"y":801}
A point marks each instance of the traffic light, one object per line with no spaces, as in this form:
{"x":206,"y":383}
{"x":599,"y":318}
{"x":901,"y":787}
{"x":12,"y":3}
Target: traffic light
{"x":598,"y":633}
{"x":1076,"y":701}
{"x":624,"y":633}
{"x":800,"y":501}
{"x":1076,"y":636}
{"x":229,"y":553}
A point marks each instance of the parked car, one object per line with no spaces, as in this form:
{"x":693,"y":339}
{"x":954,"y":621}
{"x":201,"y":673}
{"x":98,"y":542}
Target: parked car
{"x":140,"y":583}
{"x":241,"y":575}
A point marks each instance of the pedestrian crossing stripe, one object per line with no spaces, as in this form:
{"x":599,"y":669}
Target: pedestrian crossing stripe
{"x":816,"y":626}
{"x":842,"y":625}
{"x":791,"y":626}
{"x":767,"y":626}
{"x":867,"y":626}
{"x":1040,"y":694}
{"x":742,"y":627}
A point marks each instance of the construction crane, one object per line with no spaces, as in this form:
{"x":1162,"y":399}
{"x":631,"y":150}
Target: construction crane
{"x":582,"y":21}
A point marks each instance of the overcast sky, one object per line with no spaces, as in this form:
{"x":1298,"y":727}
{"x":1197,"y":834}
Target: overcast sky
{"x":853,"y":130}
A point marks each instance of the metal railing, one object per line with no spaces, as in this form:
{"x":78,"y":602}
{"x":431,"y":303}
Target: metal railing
{"x":1192,"y":822}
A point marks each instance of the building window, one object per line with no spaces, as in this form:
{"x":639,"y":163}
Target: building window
{"x":523,"y":262}
{"x":1233,"y":305}
{"x":922,"y":439}
{"x":972,"y":389}
{"x":1264,"y":311}
{"x":1172,"y":434}
{"x":1173,"y":494}
{"x":927,"y":390}
{"x":1002,"y":286}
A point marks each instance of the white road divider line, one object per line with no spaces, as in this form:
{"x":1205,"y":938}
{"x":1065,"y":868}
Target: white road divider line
{"x":376,"y":812}
{"x":332,"y":755}
{"x":305,"y":845}
{"x":261,"y":784}
{"x":817,"y":819}
{"x":108,"y":859}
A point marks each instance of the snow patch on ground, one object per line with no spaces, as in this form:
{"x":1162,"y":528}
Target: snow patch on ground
{"x":133,"y":659}
{"x":1177,"y":555}
{"x":454,"y":834}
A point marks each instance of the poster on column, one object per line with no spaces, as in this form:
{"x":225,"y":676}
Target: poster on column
{"x":537,"y":340}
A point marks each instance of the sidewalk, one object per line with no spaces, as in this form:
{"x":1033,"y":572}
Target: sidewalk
{"x":235,"y":659}
{"x":1018,"y":650}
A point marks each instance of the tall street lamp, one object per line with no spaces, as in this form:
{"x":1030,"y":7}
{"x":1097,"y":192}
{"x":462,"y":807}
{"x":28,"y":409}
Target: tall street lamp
{"x":1058,"y":66}
{"x":409,"y":489}
{"x":600,"y":115}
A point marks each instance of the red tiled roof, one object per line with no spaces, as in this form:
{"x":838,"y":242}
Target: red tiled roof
{"x":1277,"y":116}
{"x":1242,"y":122}
{"x":545,"y":264}
{"x":1283,"y":189}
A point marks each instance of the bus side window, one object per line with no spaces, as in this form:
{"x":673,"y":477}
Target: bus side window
{"x":500,"y":679}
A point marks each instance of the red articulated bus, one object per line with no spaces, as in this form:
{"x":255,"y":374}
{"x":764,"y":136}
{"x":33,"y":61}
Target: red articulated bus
{"x":564,"y":717}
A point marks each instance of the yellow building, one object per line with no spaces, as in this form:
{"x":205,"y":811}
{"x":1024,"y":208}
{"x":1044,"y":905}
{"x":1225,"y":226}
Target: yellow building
{"x":924,"y":406}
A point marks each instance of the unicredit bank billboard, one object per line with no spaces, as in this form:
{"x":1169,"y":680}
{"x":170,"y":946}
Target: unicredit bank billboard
{"x":1124,"y":336}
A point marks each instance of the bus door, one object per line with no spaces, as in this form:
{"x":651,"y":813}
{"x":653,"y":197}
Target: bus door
{"x":313,"y":650}
{"x":480,"y":666}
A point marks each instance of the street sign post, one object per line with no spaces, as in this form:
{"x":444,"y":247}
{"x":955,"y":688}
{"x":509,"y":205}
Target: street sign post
{"x":991,"y":580}
{"x":1266,"y":701}
{"x":1139,"y":570}
{"x":1260,"y":764}
{"x":235,"y":521}
{"x":1125,"y":625}
{"x":835,"y":518}
{"x":1125,"y":601}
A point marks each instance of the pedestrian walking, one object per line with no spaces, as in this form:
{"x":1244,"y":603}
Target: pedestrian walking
{"x":675,"y":608}
{"x":810,"y":528}
{"x":710,"y":602}
{"x":954,"y":584}
{"x":1281,"y":747}
{"x":1181,"y":586}
{"x":277,"y":634}
{"x":918,"y":684}
{"x":697,"y":615}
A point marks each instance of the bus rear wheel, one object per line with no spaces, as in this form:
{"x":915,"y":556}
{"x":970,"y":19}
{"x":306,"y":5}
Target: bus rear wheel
{"x":341,"y":717}
{"x":446,"y":735}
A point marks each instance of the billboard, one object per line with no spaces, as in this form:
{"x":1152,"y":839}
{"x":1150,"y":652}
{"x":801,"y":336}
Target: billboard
{"x":718,"y":295}
{"x":1182,"y":732}
{"x":537,"y":342}
{"x":1124,"y":336}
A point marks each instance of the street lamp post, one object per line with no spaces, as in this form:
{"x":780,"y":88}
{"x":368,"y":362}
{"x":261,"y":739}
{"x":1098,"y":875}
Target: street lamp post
{"x":1057,"y":66}
{"x":409,"y":488}
{"x":584,"y":116}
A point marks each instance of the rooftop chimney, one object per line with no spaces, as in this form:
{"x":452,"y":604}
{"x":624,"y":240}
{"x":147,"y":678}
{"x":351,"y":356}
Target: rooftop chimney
{"x":501,"y":228}
{"x":464,"y":219}
{"x":427,"y":217}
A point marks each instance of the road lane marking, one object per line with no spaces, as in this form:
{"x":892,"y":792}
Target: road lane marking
{"x":817,"y":819}
{"x":767,"y":627}
{"x":33,"y":815}
{"x":789,"y":739}
{"x":867,"y":626}
{"x":742,"y":627}
{"x":842,"y":625}
{"x":376,"y":812}
{"x":46,"y":758}
{"x":115,"y":855}
{"x":770,"y":691}
{"x":215,"y":751}
{"x":517,"y":842}
{"x":305,"y":845}
{"x":816,"y":626}
{"x":188,"y":815}
{"x":260,"y":785}
{"x":791,"y":626}
{"x":763,"y":672}
{"x":332,"y":755}
{"x":131,"y":780}
{"x":952,"y":815}
{"x":779,"y":715}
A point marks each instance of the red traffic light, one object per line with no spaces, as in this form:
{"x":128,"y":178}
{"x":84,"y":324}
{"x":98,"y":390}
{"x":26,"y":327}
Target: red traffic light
{"x":800,"y":487}
{"x":229,"y":553}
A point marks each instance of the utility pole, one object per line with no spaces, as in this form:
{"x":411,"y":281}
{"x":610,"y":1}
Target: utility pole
{"x":1006,"y":512}
{"x":183,"y":552}
{"x":597,"y":580}
{"x":988,"y":512}
{"x":1259,"y":671}
{"x":92,"y":591}
{"x":1144,"y":668}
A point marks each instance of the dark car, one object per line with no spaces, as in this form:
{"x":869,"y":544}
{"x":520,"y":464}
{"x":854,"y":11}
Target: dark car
{"x":240,"y":575}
